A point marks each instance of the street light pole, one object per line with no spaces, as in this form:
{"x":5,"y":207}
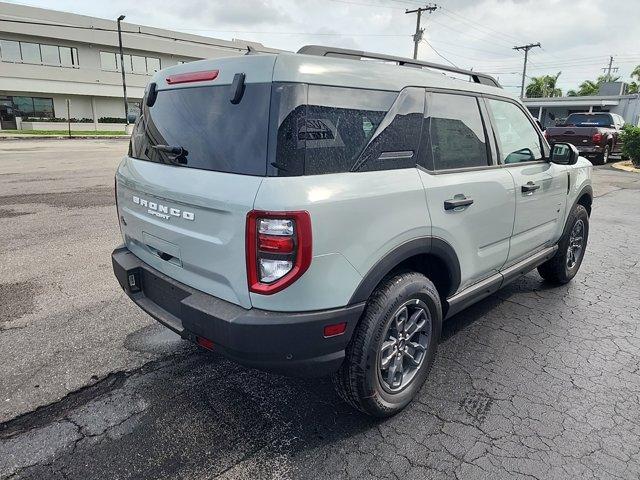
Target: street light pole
{"x":124,"y":83}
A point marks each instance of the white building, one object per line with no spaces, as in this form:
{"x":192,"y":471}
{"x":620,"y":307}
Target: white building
{"x":48,"y":57}
{"x":611,"y":97}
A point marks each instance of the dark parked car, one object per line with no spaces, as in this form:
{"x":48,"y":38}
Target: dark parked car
{"x":596,"y":135}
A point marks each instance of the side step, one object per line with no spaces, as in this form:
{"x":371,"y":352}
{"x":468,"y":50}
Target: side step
{"x":492,"y":284}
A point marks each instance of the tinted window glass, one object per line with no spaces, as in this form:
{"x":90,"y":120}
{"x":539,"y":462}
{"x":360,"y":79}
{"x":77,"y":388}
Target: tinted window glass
{"x":395,"y":143}
{"x":456,"y":132}
{"x":43,"y":107}
{"x":518,"y":140}
{"x":589,"y":120}
{"x":23,"y":106}
{"x":327,"y":131}
{"x":10,"y":51}
{"x":216,"y":134}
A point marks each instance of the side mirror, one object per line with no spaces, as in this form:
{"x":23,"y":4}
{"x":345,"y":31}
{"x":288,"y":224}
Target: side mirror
{"x":564,"y":154}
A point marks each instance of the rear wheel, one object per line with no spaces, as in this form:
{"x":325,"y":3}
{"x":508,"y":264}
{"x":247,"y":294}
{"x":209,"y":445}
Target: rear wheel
{"x":603,"y":158}
{"x":564,"y":265}
{"x":393,"y":346}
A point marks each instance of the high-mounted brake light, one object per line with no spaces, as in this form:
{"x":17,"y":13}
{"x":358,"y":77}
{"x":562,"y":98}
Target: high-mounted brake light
{"x":278,"y":249}
{"x":192,"y":77}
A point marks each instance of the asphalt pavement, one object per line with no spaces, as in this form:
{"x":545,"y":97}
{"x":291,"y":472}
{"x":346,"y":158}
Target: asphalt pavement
{"x":534,"y":382}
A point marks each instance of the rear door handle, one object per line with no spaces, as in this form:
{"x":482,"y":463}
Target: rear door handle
{"x":457,"y":202}
{"x":530,"y":187}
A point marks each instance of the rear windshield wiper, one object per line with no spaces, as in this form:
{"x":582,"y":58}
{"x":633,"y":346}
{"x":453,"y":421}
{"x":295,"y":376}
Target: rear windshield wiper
{"x":175,"y":153}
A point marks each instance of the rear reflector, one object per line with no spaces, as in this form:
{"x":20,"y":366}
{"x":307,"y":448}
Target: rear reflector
{"x":192,"y":77}
{"x":276,"y":244}
{"x":204,"y":343}
{"x":335,"y":329}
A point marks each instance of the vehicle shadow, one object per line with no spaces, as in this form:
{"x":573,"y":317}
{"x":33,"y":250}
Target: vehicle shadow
{"x":197,"y":412}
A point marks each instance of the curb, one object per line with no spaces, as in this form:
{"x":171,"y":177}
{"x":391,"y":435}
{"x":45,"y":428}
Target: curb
{"x":626,"y":166}
{"x":62,"y":137}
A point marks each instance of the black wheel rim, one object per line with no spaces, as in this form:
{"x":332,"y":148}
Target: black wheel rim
{"x":576,"y":244}
{"x":405,"y":345}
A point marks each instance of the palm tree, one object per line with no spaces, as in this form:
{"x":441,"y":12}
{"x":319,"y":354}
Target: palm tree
{"x":590,"y":87}
{"x":636,"y":72}
{"x":544,"y":86}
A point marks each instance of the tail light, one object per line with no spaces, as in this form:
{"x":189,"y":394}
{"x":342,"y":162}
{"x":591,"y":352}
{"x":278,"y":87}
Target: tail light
{"x":597,"y":137}
{"x":278,"y":249}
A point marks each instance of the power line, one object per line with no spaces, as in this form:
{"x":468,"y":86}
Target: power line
{"x":479,"y":27}
{"x":438,"y":53}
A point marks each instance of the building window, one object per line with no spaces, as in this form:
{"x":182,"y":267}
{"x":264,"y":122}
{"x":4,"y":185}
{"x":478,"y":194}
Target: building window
{"x":30,"y":52}
{"x":26,"y":52}
{"x":10,"y":51}
{"x":33,"y":107}
{"x":132,"y":63}
{"x":153,"y":64}
{"x":108,"y":61}
{"x":50,"y":54}
{"x":139,"y":64}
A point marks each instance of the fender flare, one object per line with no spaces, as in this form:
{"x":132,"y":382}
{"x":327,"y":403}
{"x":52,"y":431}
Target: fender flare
{"x":417,"y":246}
{"x":587,"y":189}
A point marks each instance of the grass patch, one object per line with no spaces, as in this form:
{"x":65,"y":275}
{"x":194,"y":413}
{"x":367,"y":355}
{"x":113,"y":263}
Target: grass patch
{"x":74,"y":133}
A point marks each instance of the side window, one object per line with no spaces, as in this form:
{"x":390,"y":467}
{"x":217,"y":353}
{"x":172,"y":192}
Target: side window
{"x":395,"y":143}
{"x":323,"y":129}
{"x":456,"y":133}
{"x":518,"y":140}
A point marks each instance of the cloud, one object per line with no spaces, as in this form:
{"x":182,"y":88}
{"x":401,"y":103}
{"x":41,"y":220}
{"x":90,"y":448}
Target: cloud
{"x":577,"y":36}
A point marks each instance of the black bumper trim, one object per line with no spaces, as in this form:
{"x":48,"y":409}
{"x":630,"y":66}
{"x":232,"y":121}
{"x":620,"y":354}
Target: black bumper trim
{"x":291,"y":343}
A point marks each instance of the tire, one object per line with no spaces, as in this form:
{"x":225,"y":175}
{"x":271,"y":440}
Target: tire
{"x":562,"y":267}
{"x":361,"y":381}
{"x":604,"y":157}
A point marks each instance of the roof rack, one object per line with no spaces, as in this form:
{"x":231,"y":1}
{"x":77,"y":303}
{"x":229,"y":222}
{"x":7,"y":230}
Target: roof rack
{"x":321,"y":51}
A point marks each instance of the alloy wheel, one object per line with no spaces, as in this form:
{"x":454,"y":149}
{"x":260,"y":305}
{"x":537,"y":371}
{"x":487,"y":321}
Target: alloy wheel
{"x":405,"y":345}
{"x":576,"y":244}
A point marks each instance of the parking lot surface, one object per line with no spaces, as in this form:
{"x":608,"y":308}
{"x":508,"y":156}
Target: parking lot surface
{"x":534,"y":382}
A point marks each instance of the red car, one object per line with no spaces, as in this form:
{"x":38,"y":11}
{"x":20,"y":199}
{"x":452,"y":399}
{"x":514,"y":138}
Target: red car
{"x":595,"y":135}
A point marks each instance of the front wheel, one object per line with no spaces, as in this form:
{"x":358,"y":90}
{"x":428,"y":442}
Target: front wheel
{"x":564,"y":265}
{"x":393,"y":347}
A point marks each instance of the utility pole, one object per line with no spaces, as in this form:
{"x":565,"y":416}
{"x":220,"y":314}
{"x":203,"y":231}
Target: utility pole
{"x":526,"y":49}
{"x":609,"y":69}
{"x":419,"y":31}
{"x":124,"y":83}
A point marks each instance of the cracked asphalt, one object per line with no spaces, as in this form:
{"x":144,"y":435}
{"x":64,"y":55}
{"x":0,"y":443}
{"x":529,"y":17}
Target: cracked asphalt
{"x":534,"y":382}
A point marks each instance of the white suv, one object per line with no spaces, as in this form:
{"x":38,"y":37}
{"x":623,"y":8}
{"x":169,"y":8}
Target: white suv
{"x":316,"y":214}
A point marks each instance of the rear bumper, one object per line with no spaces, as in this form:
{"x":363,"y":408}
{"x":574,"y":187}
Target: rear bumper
{"x":283,"y":342}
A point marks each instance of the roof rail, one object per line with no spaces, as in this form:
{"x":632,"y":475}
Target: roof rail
{"x":321,"y":51}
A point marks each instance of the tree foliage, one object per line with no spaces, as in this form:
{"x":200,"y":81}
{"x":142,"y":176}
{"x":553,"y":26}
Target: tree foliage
{"x":591,"y":87}
{"x":631,"y":143}
{"x":543,"y":86}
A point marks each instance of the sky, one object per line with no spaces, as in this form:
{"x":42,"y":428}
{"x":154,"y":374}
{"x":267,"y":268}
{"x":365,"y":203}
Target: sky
{"x":577,"y":37}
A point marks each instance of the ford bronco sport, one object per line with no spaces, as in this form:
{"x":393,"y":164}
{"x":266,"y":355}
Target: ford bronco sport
{"x":316,"y":214}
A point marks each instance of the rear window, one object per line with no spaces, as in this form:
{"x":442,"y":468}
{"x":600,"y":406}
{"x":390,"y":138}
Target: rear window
{"x":281,"y":129}
{"x":584,"y":120}
{"x":214,"y":133}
